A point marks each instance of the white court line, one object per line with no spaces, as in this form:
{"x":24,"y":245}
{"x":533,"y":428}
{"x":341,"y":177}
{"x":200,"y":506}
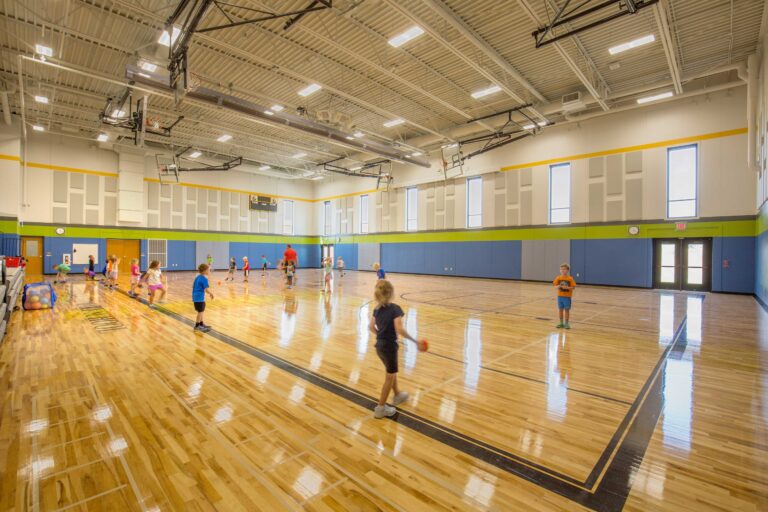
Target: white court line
{"x":100,"y":495}
{"x":325,"y":491}
{"x":35,"y":477}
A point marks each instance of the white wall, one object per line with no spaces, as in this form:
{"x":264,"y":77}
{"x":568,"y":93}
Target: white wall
{"x":520,"y":197}
{"x":71,"y":197}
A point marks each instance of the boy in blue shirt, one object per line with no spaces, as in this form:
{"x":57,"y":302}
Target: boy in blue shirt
{"x":380,"y":274}
{"x":199,"y":289}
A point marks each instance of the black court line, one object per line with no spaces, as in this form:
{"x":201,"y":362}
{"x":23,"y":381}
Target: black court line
{"x":533,"y":379}
{"x":609,"y":495}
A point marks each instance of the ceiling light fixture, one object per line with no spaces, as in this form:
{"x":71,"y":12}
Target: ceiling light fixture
{"x":394,"y":122}
{"x":269,"y":112}
{"x":632,"y":44}
{"x":264,"y":168}
{"x":41,"y":99}
{"x":486,"y":92}
{"x":531,"y":127}
{"x":118,"y":113}
{"x":165,"y":40}
{"x":655,"y":97}
{"x":315,"y":178}
{"x":38,"y":128}
{"x":148,"y":66}
{"x":356,"y":168}
{"x":44,"y":50}
{"x":450,"y":146}
{"x":276,"y":108}
{"x":103,"y":137}
{"x":349,"y":137}
{"x":400,"y":39}
{"x":195,"y":154}
{"x":144,"y":75}
{"x":224,"y":138}
{"x":299,"y":155}
{"x":310,"y":89}
{"x":358,"y":134}
{"x":418,"y":153}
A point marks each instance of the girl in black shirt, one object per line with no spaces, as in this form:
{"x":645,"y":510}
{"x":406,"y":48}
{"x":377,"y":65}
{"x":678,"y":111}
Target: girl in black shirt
{"x":386,"y":324}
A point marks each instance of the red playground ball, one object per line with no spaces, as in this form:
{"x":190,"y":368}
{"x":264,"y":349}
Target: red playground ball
{"x":423,"y":346}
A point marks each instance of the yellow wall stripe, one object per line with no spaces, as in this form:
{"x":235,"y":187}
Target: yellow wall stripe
{"x":236,"y":191}
{"x":10,"y":157}
{"x":70,"y":169}
{"x":651,"y":145}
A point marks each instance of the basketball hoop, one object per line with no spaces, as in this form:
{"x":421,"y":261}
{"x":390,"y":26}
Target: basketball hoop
{"x":167,"y":169}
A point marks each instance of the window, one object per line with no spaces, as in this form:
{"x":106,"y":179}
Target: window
{"x":682,"y":164}
{"x":475,"y":202}
{"x":560,"y":194}
{"x":411,"y":208}
{"x":327,"y":219}
{"x":364,"y":214}
{"x":287,"y":217}
{"x":158,"y":250}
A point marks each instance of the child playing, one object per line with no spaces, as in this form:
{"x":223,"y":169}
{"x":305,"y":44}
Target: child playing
{"x":154,"y":278}
{"x":340,"y":265}
{"x":91,"y":267}
{"x":387,"y":323}
{"x":232,"y":268}
{"x":289,"y":271}
{"x":135,"y":275}
{"x":107,"y":272}
{"x":565,"y":285}
{"x":327,"y":274}
{"x":380,"y":274}
{"x":264,"y":264}
{"x":62,"y":269}
{"x":113,"y":273}
{"x":199,"y":289}
{"x":246,"y":269}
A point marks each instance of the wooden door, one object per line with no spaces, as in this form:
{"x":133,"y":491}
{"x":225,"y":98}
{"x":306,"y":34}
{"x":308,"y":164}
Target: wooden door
{"x":125,"y":250}
{"x":32,"y":251}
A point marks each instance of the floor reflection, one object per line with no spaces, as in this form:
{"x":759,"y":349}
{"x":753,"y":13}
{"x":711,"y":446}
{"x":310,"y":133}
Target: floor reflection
{"x":473,"y":347}
{"x":557,"y":376}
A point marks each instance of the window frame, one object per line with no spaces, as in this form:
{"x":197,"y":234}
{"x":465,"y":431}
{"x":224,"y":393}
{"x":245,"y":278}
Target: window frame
{"x":285,"y":210}
{"x":364,"y":213}
{"x":695,"y":215}
{"x":327,"y":218}
{"x":414,"y":191}
{"x":570,"y":194}
{"x":478,"y":179}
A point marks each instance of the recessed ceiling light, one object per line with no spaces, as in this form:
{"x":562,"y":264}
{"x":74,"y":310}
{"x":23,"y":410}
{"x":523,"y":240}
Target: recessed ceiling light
{"x":315,"y":178}
{"x":224,"y":138}
{"x":264,"y":168}
{"x":485,"y":92}
{"x":531,"y":127}
{"x":143,"y":75}
{"x":165,"y":40}
{"x":632,"y":44}
{"x":269,"y":112}
{"x":276,"y":108}
{"x":118,"y":113}
{"x":655,"y":97}
{"x":418,"y":153}
{"x":41,"y":99}
{"x":310,"y":89}
{"x":401,"y":39}
{"x":103,"y":137}
{"x":299,"y":155}
{"x":358,"y":134}
{"x":349,"y":137}
{"x":148,"y":66}
{"x":356,"y":168}
{"x":394,"y":122}
{"x":38,"y":128}
{"x":44,"y":50}
{"x":195,"y":154}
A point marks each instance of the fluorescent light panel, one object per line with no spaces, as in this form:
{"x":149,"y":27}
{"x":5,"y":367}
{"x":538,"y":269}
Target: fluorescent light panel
{"x":394,"y":122}
{"x":356,"y":168}
{"x":224,"y":138}
{"x":103,"y":137}
{"x":486,"y":92}
{"x":310,"y":89}
{"x":531,"y":127}
{"x":400,"y":39}
{"x":41,"y":99}
{"x":276,"y":108}
{"x":269,"y":112}
{"x":264,"y":168}
{"x":299,"y":155}
{"x":118,"y":113}
{"x":44,"y":50}
{"x":148,"y":66}
{"x":38,"y":128}
{"x":418,"y":153}
{"x":165,"y":40}
{"x":655,"y":97}
{"x":358,"y":134}
{"x":632,"y":44}
{"x":195,"y":154}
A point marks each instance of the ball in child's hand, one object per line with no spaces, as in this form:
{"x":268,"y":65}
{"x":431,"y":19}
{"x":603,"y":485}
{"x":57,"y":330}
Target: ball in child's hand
{"x":564,"y":285}
{"x":423,"y":346}
{"x":219,"y":283}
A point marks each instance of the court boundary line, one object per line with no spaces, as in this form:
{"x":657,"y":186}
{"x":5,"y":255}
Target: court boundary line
{"x":608,"y":495}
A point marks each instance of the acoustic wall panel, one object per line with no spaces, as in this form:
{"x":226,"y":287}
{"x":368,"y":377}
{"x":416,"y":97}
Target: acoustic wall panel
{"x":596,"y":167}
{"x":596,"y":202}
{"x":500,"y":181}
{"x":153,"y":196}
{"x":110,"y":184}
{"x":633,"y":162}
{"x":224,"y":199}
{"x":110,"y":210}
{"x":92,"y":217}
{"x":191,"y":193}
{"x":212,"y":216}
{"x":440,"y":197}
{"x":499,"y":210}
{"x":513,"y":217}
{"x":76,"y":209}
{"x":526,"y":207}
{"x":614,"y":176}
{"x":153,"y":220}
{"x":450,"y":216}
{"x":60,"y":215}
{"x":177,"y":222}
{"x":634,"y":199}
{"x":77,"y":180}
{"x":178,"y":199}
{"x":165,"y":214}
{"x":513,"y":186}
{"x":430,"y":215}
{"x":202,"y":200}
{"x":165,"y":191}
{"x":614,"y":210}
{"x":525,"y":177}
{"x":60,"y":187}
{"x":92,"y":190}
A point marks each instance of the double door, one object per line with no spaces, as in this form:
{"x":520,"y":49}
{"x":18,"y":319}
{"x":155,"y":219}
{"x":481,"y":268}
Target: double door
{"x":125,"y":250}
{"x":328,"y":252}
{"x":682,"y":264}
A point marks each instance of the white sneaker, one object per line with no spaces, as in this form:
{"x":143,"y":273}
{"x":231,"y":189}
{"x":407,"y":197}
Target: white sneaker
{"x":382,"y":411}
{"x":400,"y":398}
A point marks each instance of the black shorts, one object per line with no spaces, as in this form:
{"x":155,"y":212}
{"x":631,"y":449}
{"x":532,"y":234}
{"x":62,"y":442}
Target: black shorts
{"x":200,"y":306}
{"x":388,"y":357}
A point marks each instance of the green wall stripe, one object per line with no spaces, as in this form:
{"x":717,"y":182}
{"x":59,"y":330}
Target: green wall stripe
{"x":667,"y":230}
{"x":762,"y":219}
{"x":9,"y":226}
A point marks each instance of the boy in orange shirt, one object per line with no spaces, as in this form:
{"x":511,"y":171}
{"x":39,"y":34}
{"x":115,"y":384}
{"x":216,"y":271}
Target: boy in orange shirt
{"x":565,"y":285}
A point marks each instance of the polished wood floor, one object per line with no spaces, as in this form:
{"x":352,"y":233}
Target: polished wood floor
{"x":653,"y":401}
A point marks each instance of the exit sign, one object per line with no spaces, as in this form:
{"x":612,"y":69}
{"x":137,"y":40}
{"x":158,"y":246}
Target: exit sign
{"x":680,"y":226}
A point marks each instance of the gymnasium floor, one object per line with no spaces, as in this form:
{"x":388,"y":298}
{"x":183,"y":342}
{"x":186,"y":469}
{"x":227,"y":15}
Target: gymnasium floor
{"x":653,"y":401}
